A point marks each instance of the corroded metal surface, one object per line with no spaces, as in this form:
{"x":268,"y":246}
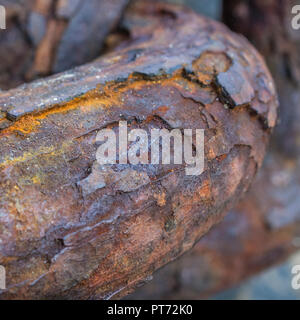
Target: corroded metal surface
{"x":74,"y":239}
{"x":49,"y":36}
{"x":264,"y":229}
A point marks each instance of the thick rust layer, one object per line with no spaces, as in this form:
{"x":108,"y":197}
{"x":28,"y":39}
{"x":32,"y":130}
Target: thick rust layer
{"x":264,"y":229}
{"x":179,"y":71}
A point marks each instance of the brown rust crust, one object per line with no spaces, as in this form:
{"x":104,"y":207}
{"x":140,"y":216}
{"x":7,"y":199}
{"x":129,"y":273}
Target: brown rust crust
{"x":179,"y":70}
{"x":264,"y":229}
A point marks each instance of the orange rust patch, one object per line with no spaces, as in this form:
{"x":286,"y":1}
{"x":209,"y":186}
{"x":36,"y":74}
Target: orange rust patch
{"x":222,"y":157}
{"x":104,"y":96}
{"x":160,"y":199}
{"x":110,"y":94}
{"x":205,"y":190}
{"x":24,"y":125}
{"x":209,"y":64}
{"x":162,"y":109}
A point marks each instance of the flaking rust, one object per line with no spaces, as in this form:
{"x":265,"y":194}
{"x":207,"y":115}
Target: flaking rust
{"x":263,"y":230}
{"x":74,"y":237}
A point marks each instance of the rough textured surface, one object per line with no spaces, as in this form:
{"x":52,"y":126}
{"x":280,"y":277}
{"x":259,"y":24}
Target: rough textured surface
{"x":49,"y":36}
{"x":268,"y":26}
{"x":265,"y":227}
{"x":263,"y":230}
{"x":73,"y":238}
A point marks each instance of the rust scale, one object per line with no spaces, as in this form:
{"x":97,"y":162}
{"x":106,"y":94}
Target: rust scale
{"x":263,"y":229}
{"x":104,"y":96}
{"x":77,"y":237}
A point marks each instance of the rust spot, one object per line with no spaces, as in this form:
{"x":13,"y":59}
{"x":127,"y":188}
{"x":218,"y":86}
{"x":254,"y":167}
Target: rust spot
{"x":160,"y":199}
{"x":210,"y":64}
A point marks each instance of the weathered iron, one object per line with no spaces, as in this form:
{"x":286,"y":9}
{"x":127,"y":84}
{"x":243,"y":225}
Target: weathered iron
{"x":179,"y":70}
{"x":264,"y":229}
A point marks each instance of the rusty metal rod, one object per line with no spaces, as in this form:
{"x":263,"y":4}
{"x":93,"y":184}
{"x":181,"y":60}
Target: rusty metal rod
{"x":63,"y":235}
